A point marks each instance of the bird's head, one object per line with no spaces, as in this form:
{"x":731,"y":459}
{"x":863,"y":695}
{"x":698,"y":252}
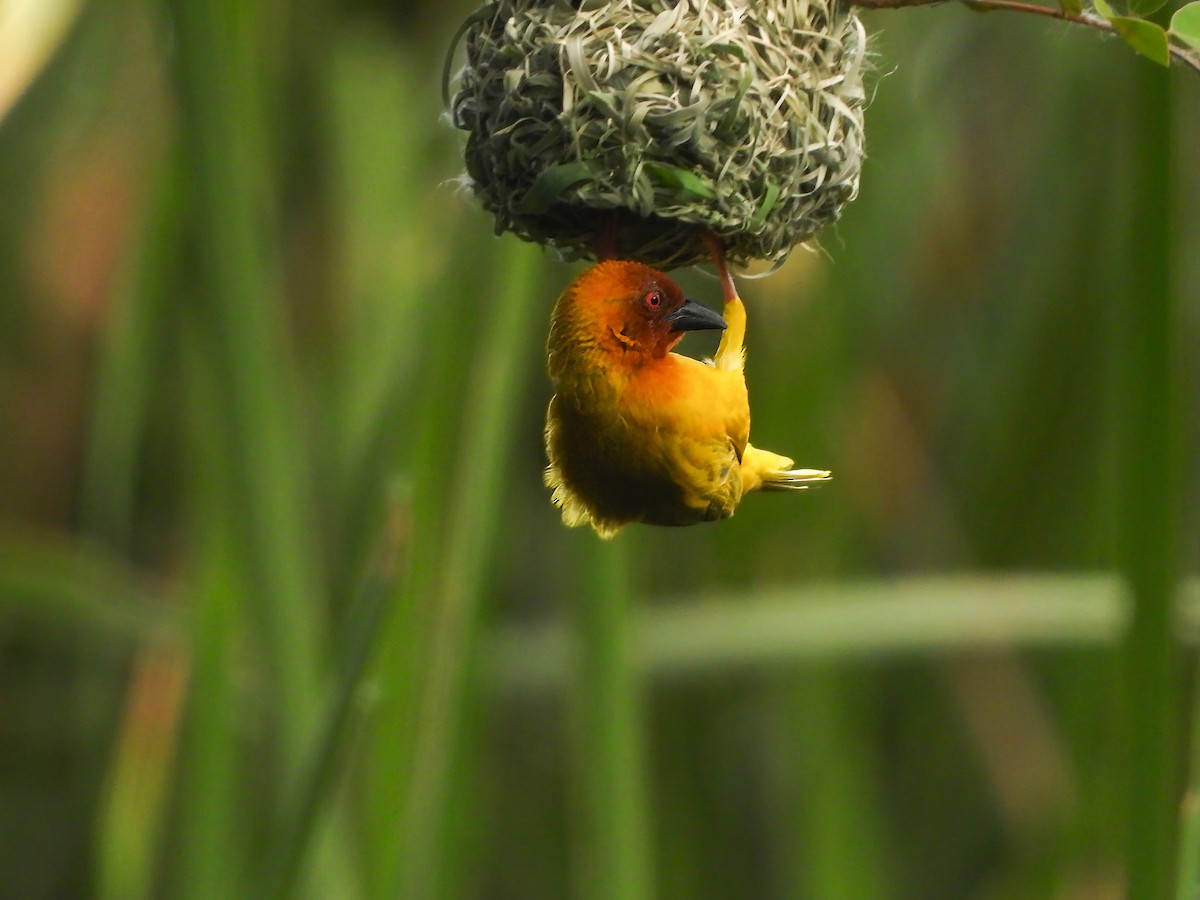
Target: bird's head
{"x":623,"y":306}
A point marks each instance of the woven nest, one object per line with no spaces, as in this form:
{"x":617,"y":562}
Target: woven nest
{"x":655,"y":121}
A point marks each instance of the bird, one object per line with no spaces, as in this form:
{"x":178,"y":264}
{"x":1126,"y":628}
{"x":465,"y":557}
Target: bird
{"x":636,"y":433}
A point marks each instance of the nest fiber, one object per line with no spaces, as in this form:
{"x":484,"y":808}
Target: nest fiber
{"x":655,"y":121}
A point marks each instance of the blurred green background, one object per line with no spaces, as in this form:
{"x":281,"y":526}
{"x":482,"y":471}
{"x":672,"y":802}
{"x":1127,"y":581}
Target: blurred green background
{"x":285,"y":609}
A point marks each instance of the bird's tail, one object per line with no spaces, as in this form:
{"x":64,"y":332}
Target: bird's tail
{"x":764,"y":470}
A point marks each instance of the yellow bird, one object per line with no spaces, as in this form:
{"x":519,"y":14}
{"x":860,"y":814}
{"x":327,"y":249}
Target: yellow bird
{"x":636,"y":433}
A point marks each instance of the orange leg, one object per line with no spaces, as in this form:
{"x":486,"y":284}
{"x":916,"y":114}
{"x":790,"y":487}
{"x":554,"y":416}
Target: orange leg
{"x":605,"y":241}
{"x":730,"y":354}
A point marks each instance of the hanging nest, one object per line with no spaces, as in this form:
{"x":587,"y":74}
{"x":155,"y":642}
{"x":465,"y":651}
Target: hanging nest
{"x":655,"y":121}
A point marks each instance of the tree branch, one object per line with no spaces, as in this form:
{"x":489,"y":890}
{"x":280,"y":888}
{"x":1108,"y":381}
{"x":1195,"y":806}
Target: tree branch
{"x":1181,"y":54}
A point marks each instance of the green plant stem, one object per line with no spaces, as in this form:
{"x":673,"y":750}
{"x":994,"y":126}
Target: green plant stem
{"x":210,"y":824}
{"x":1148,"y":468}
{"x":317,"y":781}
{"x":53,"y":585}
{"x":426,"y":438}
{"x":211,"y":828}
{"x":239,"y":314}
{"x":871,"y":620}
{"x":616,"y":841}
{"x":133,"y":347}
{"x":839,"y":845}
{"x":235,"y":309}
{"x":475,"y":479}
{"x":1181,"y":54}
{"x":130,"y":361}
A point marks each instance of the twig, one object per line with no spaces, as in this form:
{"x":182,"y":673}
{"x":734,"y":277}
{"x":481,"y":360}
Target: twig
{"x":1187,"y":57}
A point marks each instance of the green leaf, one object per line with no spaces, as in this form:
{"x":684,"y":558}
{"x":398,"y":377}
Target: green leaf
{"x":768,"y":203}
{"x":1070,"y":7}
{"x":680,"y":179}
{"x":550,"y":185}
{"x":1146,"y":38}
{"x":1144,"y":8}
{"x":1185,"y":24}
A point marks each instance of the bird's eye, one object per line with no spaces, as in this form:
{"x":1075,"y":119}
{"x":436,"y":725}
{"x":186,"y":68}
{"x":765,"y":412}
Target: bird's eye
{"x":654,"y":299}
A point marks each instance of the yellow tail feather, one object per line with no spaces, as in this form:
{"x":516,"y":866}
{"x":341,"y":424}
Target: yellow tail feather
{"x":764,"y":470}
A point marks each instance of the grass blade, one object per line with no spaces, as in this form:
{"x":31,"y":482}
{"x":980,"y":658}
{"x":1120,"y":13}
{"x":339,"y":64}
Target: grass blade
{"x":474,"y":520}
{"x":317,"y":779}
{"x":1149,"y":501}
{"x":131,"y":825}
{"x":873,"y":619}
{"x":618,"y":861}
{"x":240,"y":319}
{"x":128,"y":368}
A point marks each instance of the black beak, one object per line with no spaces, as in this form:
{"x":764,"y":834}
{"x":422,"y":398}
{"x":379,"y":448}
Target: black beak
{"x":694,"y":317}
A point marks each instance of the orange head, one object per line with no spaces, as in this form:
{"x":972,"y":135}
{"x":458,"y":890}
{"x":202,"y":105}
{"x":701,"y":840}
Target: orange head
{"x":619,"y":306}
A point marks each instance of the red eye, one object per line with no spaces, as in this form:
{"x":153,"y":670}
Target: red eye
{"x":654,"y":300}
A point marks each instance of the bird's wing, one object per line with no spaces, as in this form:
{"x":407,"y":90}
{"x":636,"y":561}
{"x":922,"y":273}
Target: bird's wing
{"x":707,"y":471}
{"x":706,"y":411}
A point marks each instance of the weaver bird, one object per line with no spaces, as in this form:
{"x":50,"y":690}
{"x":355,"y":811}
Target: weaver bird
{"x":636,"y":433}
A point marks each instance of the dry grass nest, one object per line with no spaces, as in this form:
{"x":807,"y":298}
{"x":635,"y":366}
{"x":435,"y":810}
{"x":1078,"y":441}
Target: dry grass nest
{"x":658,"y":121}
